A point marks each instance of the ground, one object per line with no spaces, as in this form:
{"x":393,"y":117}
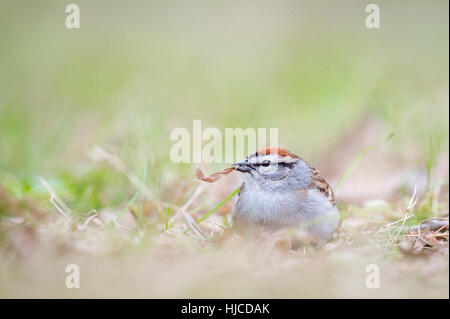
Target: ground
{"x":85,"y":172}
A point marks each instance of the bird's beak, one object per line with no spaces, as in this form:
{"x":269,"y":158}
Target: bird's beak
{"x":242,"y":166}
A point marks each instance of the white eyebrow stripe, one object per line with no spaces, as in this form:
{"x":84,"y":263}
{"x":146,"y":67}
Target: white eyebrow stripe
{"x":288,"y":159}
{"x":260,"y":158}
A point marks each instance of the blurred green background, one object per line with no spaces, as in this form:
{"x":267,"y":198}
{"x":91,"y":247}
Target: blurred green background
{"x":137,"y":69}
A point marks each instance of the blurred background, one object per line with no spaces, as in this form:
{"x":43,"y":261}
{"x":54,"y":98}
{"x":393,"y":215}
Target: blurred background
{"x":137,"y":69}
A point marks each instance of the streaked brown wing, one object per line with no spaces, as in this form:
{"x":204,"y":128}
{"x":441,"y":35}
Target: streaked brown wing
{"x":319,"y":183}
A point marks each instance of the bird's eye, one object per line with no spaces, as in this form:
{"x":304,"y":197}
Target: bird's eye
{"x":265,"y":163}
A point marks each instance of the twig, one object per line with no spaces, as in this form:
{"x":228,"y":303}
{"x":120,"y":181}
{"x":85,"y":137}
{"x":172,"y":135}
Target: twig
{"x":90,"y":218}
{"x":412,"y":203}
{"x":191,"y":200}
{"x":188,"y":203}
{"x":55,"y":200}
{"x":99,"y":154}
{"x":419,"y":228}
{"x":192,"y":225}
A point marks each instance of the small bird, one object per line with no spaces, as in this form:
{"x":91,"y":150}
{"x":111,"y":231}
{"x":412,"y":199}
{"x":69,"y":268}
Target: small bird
{"x":281,"y":190}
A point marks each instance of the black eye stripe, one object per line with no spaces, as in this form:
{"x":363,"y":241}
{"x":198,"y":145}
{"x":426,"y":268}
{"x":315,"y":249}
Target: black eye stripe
{"x":267,"y":163}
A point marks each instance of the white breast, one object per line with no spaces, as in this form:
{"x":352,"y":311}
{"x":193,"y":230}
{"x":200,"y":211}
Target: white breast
{"x":287,"y":209}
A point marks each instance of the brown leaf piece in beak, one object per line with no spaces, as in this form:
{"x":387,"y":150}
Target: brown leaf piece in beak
{"x":213,"y":177}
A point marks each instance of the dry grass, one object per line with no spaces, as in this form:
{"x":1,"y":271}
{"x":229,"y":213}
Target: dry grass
{"x":141,"y":226}
{"x":141,"y":251}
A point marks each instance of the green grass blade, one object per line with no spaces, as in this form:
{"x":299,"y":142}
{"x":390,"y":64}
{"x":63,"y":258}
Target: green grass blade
{"x":223,"y":202}
{"x":358,"y":158}
{"x":135,"y":196}
{"x":167,"y":216}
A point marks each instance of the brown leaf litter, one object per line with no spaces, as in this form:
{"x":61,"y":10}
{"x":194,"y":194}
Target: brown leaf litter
{"x":430,"y":235}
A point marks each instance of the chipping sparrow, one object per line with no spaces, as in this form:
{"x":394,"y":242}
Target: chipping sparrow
{"x":281,"y":190}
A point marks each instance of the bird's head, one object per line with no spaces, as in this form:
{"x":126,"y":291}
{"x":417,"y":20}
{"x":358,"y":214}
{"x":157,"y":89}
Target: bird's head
{"x":274,"y":167}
